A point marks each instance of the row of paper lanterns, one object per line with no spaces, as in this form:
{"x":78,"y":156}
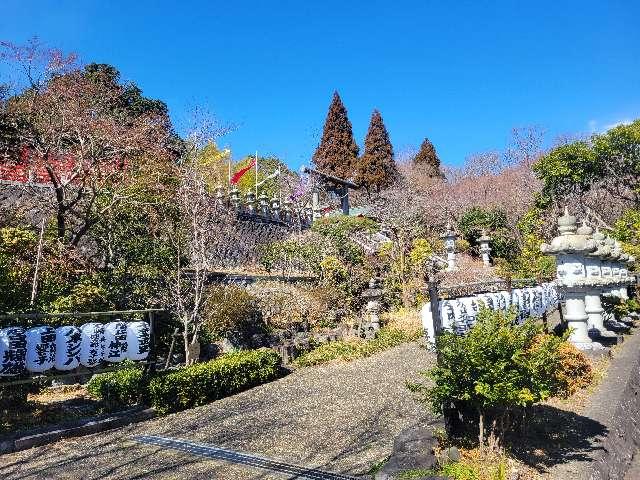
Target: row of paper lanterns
{"x":65,"y":348}
{"x":460,"y":314}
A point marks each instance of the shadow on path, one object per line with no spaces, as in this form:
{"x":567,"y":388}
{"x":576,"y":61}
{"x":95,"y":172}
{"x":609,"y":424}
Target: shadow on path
{"x":554,"y":437}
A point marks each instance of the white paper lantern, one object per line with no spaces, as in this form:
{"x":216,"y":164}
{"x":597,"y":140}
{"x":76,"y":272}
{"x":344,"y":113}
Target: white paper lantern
{"x":41,"y":349}
{"x":447,"y":315}
{"x":68,"y":342}
{"x":138,"y":340}
{"x":13,"y":349}
{"x":506,"y":299}
{"x":92,"y":345}
{"x":471,"y":306}
{"x":116,"y":341}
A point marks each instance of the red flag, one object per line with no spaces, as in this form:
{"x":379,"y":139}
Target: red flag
{"x":238,"y":175}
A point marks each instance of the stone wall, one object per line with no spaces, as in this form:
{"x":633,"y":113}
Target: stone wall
{"x":240,"y":246}
{"x":27,"y":201}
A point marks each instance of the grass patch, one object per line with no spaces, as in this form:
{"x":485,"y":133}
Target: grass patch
{"x":347,"y":350}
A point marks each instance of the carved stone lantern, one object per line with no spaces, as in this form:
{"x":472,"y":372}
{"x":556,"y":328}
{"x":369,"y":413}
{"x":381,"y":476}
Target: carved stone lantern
{"x":613,"y":264}
{"x":570,"y":249}
{"x":234,"y":195}
{"x":485,"y":249}
{"x":221,"y":201}
{"x":263,"y":200}
{"x":275,"y":208}
{"x":592,"y":298}
{"x":308,"y":214}
{"x":449,"y":237}
{"x":286,"y":211}
{"x":372,"y":295}
{"x":251,"y":202}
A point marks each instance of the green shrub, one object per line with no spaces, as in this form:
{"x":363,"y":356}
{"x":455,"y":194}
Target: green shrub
{"x":459,"y":471}
{"x":203,"y":383}
{"x":118,"y":389}
{"x":496,"y":368}
{"x":15,"y":396}
{"x":228,"y":309}
{"x":347,"y":350}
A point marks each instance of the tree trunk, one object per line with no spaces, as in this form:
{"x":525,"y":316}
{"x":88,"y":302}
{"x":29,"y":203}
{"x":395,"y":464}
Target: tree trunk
{"x":480,"y":428}
{"x":191,"y":350}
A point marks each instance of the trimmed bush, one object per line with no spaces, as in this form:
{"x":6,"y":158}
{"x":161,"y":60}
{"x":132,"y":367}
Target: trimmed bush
{"x":347,"y":350}
{"x":575,"y":370}
{"x":203,"y":383}
{"x":118,"y":389}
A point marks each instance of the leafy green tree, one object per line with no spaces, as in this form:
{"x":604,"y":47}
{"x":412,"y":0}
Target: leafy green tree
{"x":266,"y":167}
{"x":376,"y":169}
{"x":337,"y":152}
{"x":427,"y":159}
{"x":529,"y":262}
{"x":494,"y":221}
{"x":610,"y":161}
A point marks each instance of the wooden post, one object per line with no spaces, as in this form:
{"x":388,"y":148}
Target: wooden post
{"x":434,"y":300}
{"x":345,"y":200}
{"x":152,"y":344}
{"x":173,"y":343}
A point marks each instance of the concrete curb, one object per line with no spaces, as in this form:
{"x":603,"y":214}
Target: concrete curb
{"x":44,"y":436}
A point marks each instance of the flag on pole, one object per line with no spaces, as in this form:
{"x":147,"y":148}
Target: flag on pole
{"x":269,"y":177}
{"x":238,"y":175}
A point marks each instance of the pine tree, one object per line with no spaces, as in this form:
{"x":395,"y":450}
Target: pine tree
{"x":338,"y":151}
{"x":376,"y":169}
{"x":428,"y":160}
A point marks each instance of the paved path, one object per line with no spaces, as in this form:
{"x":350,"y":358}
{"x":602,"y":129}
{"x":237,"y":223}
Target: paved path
{"x":340,"y":418}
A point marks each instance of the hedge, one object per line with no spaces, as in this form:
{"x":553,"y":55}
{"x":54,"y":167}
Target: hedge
{"x":202,"y":383}
{"x":120,"y":388}
{"x":347,"y":350}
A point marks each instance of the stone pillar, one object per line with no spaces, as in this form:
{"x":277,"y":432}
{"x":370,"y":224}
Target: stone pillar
{"x":485,"y":249}
{"x":449,"y":238}
{"x":577,"y":318}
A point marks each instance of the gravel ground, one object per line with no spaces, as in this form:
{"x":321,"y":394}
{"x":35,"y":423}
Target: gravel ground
{"x":339,"y":417}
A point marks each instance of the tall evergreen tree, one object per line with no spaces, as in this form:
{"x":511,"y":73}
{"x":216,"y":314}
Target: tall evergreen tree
{"x":338,"y":151}
{"x":428,"y":160}
{"x":376,"y":169}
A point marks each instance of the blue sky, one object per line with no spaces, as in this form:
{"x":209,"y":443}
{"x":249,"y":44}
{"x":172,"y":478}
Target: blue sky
{"x":461,"y":73}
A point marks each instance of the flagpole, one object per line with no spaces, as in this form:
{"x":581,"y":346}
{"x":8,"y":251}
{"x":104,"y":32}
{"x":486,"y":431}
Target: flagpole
{"x":256,"y":174}
{"x":229,"y":184}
